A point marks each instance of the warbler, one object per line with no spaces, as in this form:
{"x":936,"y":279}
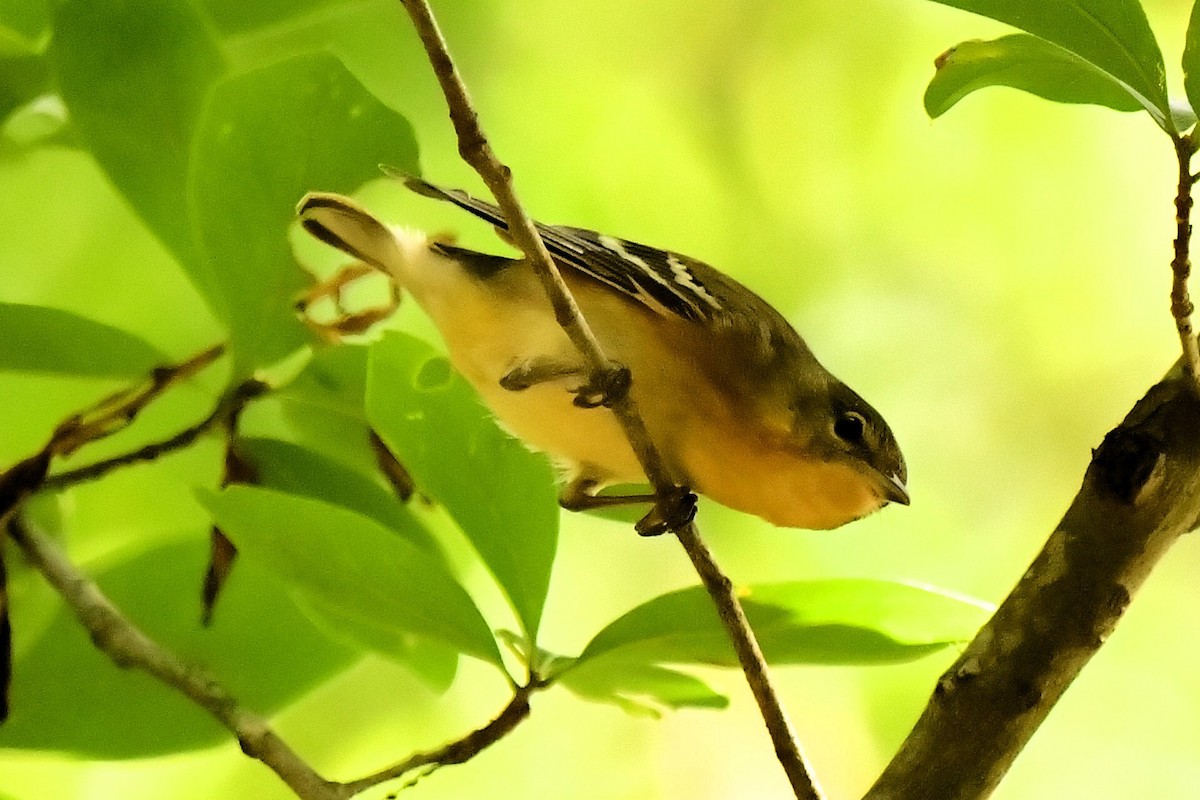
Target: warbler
{"x":735,"y":402}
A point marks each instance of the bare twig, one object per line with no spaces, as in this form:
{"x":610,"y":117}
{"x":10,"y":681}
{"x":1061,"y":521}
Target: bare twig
{"x":125,"y":644}
{"x":105,"y":418}
{"x":457,"y":752}
{"x":1140,"y":493}
{"x":21,"y":480}
{"x":128,"y":647}
{"x":118,"y":638}
{"x":754,"y":665}
{"x":396,"y":473}
{"x":474,"y":148}
{"x":230,"y":404}
{"x":118,"y":410}
{"x":1181,"y":266}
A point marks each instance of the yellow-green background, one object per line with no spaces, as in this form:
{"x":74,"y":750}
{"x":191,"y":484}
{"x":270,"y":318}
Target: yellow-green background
{"x":994,"y":282}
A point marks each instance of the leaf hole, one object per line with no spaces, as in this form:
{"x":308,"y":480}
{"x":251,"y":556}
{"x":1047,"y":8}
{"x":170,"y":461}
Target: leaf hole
{"x":434,"y":375}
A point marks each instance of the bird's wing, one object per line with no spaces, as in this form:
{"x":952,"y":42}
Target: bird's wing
{"x":668,"y":283}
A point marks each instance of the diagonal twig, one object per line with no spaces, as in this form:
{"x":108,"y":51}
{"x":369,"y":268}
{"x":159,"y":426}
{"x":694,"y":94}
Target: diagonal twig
{"x":474,"y":148}
{"x":129,"y":647}
{"x":456,"y":752}
{"x":230,"y":404}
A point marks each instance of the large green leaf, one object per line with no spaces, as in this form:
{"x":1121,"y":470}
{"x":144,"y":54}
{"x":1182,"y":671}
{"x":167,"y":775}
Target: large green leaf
{"x":297,"y":470}
{"x":40,"y":339}
{"x":265,"y":138}
{"x":432,"y":661}
{"x":67,"y":696}
{"x":838,"y":621}
{"x":1112,"y":35}
{"x":24,"y":25}
{"x":265,"y":15}
{"x":353,"y":564}
{"x":26,"y":77}
{"x":501,"y":494}
{"x":325,"y":405}
{"x":134,"y":75}
{"x":1191,"y":59}
{"x":1023,"y":62}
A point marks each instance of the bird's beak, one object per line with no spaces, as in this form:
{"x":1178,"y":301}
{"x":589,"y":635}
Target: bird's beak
{"x":894,"y":489}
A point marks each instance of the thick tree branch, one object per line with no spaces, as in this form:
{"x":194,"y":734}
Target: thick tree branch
{"x":128,"y":647}
{"x":1140,"y":493}
{"x":474,"y":148}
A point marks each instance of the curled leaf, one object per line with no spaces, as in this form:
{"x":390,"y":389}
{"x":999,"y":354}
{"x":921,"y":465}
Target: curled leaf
{"x":1022,"y":62}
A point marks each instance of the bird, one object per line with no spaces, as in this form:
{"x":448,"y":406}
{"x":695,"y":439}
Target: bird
{"x":737,"y":405}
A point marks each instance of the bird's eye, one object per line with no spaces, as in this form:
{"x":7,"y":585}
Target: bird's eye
{"x":850,"y":426}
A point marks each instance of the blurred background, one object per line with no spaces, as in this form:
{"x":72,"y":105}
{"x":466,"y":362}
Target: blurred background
{"x":995,"y":282}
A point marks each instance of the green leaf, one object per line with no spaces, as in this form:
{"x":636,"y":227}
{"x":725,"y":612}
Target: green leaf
{"x":839,"y":621}
{"x":434,"y":663}
{"x":325,"y":405}
{"x":40,"y":339}
{"x":134,"y":75}
{"x":1191,"y":60}
{"x":1182,"y":115}
{"x":24,"y":26}
{"x":234,"y":16}
{"x":41,"y":121}
{"x":1112,"y":35}
{"x":265,"y":138}
{"x":26,"y":77}
{"x":638,"y":688}
{"x":297,"y":470}
{"x":67,"y":696}
{"x":501,"y":495}
{"x":1023,"y":62}
{"x":353,"y":564}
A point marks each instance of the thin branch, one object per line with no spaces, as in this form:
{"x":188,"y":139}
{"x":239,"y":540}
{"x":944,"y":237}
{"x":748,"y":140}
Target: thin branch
{"x":754,"y":665}
{"x":128,"y":647}
{"x":474,"y":148}
{"x":230,"y":404}
{"x":458,"y":752}
{"x":1181,"y":266}
{"x":1140,"y":493}
{"x":105,"y":418}
{"x":21,"y":480}
{"x":118,"y":411}
{"x":124,"y":643}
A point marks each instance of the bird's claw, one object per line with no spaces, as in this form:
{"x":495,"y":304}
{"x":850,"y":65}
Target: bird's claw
{"x":673,"y":510}
{"x":605,"y":388}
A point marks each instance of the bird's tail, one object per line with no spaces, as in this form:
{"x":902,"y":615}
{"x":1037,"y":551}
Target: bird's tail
{"x":340,"y":222}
